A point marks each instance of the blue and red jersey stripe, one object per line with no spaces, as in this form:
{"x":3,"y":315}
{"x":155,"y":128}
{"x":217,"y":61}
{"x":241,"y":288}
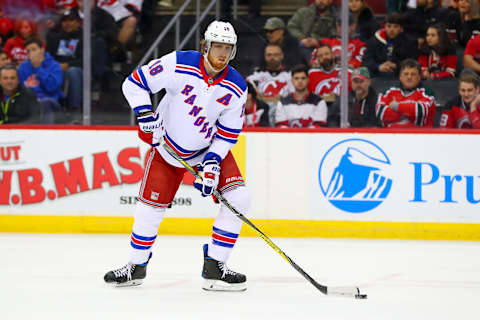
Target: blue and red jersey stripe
{"x":183,"y":153}
{"x":227,"y":134}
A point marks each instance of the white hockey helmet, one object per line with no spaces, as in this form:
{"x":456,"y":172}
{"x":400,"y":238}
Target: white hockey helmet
{"x":223,"y":32}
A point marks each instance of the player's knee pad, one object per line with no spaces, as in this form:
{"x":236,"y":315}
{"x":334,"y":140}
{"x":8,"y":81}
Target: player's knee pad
{"x":239,"y":198}
{"x":148,"y":216}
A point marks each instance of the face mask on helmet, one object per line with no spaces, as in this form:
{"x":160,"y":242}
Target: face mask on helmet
{"x":221,"y":32}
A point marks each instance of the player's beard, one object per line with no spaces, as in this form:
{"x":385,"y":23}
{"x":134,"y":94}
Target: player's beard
{"x":216,"y":65}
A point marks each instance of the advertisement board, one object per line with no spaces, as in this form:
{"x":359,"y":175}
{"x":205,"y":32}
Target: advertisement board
{"x":321,"y":183}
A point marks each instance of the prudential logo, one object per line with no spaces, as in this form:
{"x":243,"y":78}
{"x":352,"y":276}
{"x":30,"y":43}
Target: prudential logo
{"x":352,"y":175}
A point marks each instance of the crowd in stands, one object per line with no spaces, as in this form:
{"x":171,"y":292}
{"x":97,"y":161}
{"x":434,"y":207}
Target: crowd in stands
{"x":394,"y":61}
{"x":45,"y":49}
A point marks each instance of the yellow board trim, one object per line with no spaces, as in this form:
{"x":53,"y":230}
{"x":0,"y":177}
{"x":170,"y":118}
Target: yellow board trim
{"x":272,"y":228}
{"x":239,"y":152}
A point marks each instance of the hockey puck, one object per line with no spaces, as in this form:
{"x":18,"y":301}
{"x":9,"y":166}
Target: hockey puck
{"x":360,"y":296}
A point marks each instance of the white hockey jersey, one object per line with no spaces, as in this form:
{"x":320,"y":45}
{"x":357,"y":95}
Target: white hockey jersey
{"x":199,"y":113}
{"x":272,"y":84}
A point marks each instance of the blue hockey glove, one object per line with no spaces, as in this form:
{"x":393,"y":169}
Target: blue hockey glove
{"x":210,"y":173}
{"x":149,"y":121}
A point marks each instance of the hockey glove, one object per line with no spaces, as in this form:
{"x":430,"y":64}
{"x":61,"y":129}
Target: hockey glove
{"x":209,"y":172}
{"x":149,"y":121}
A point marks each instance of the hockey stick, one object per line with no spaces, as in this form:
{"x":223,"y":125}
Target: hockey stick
{"x":352,"y":292}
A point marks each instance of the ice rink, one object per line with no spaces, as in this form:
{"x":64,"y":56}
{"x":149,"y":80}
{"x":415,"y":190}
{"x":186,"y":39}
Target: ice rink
{"x":50,"y":276}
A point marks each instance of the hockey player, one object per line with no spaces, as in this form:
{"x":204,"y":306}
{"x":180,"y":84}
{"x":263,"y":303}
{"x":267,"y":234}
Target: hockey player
{"x":462,"y":112}
{"x":200,"y":118}
{"x":410,"y":105}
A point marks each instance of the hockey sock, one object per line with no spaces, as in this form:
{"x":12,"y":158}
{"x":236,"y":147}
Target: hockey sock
{"x":144,"y":231}
{"x":227,"y":226}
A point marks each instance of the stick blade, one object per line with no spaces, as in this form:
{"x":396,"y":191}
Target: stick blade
{"x":346,"y":292}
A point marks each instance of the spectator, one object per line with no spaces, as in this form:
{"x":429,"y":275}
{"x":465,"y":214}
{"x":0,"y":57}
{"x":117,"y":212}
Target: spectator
{"x":43,"y":75}
{"x":388,"y":48}
{"x":6,"y":28}
{"x":125,"y":13}
{"x":274,"y":82}
{"x":410,"y":105}
{"x":312,"y":23}
{"x":102,"y":21}
{"x":356,"y":48}
{"x":365,"y":22}
{"x":395,"y":6}
{"x":324,"y":80}
{"x":301,"y":108}
{"x":471,"y":58}
{"x":437,"y":56}
{"x":254,"y":8}
{"x":18,"y":103}
{"x":418,"y":19}
{"x":60,"y":6}
{"x":66,"y":47}
{"x":4,"y":60}
{"x":361,"y":102}
{"x":463,"y":111}
{"x":15,"y":46}
{"x":256,"y":111}
{"x":277,"y":34}
{"x":103,"y":38}
{"x":464,"y":23}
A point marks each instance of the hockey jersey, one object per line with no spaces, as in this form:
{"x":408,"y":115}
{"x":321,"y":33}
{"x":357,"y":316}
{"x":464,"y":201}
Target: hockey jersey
{"x":439,"y":66}
{"x":416,"y":108}
{"x":322,"y":82}
{"x":311,"y":112}
{"x":458,"y":115}
{"x":272,"y":86}
{"x":356,"y":50}
{"x":199,"y":113}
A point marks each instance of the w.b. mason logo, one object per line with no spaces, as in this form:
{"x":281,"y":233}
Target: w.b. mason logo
{"x":352,"y":175}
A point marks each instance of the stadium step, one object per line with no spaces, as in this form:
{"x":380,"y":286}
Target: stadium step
{"x":269,"y":7}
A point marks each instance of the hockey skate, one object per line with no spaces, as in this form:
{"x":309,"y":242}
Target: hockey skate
{"x":128,"y":275}
{"x":218,"y":277}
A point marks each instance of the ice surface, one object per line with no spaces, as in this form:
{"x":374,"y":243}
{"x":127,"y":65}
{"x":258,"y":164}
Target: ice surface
{"x":51,"y":276}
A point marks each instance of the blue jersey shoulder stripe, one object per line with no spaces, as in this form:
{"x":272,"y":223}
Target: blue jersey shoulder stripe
{"x":144,"y":80}
{"x":235,"y":77}
{"x":229,"y":88}
{"x":137,"y":83}
{"x":190,"y":73}
{"x":191,"y":58}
